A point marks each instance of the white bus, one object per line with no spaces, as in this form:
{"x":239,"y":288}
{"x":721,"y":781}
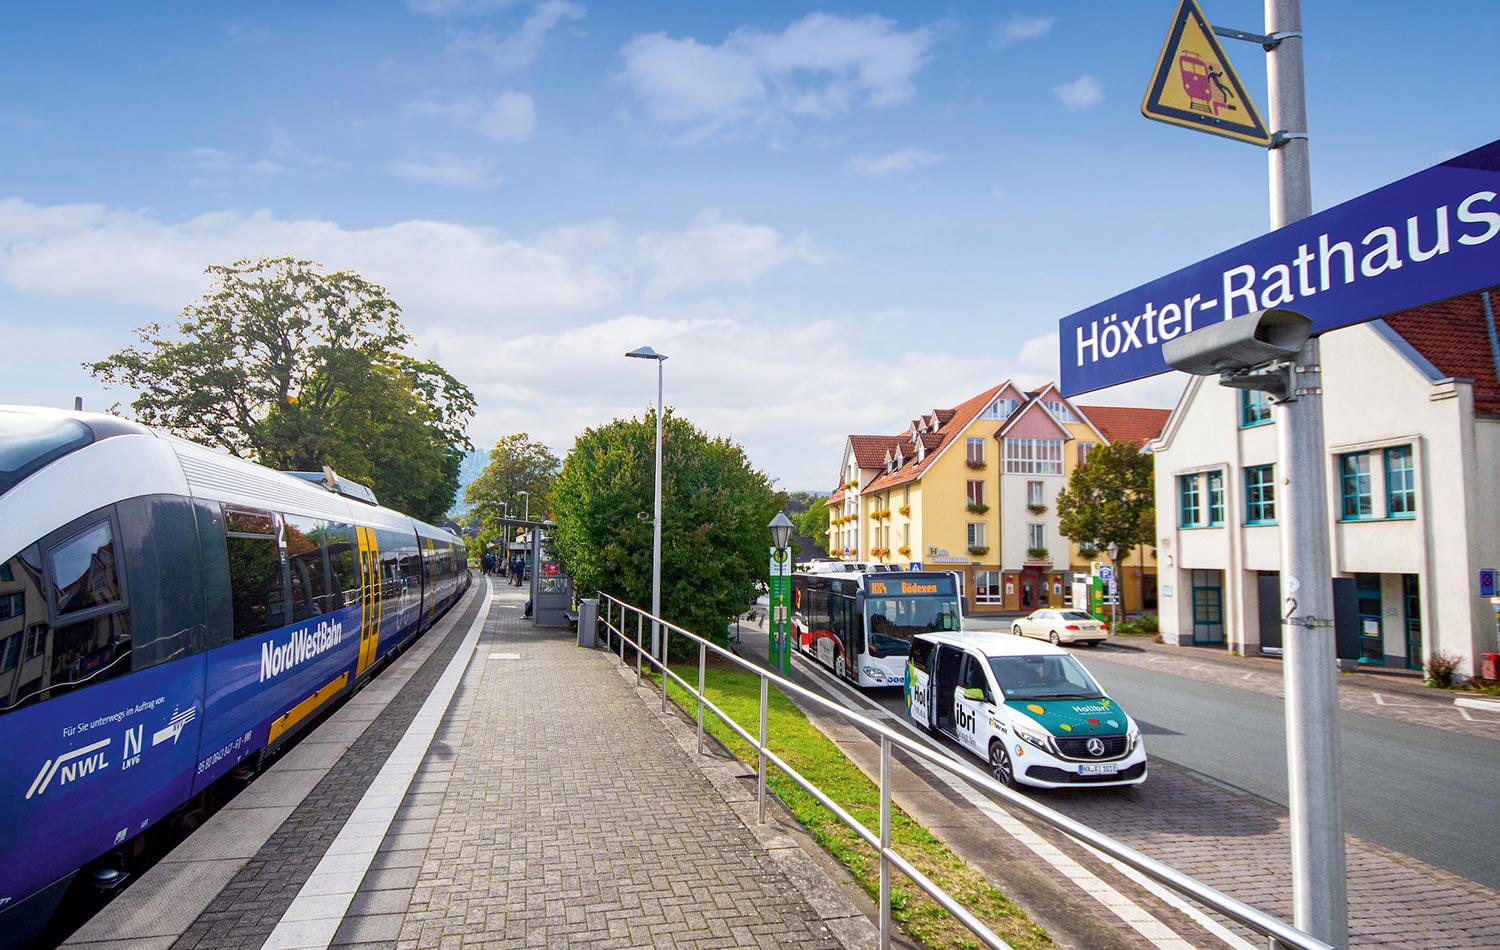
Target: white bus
{"x":860,"y":625}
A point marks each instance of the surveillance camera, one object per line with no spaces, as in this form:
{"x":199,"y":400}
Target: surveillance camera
{"x":1237,"y":345}
{"x":643,"y":515}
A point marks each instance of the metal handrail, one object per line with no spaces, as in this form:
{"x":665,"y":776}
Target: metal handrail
{"x":1279,"y":934}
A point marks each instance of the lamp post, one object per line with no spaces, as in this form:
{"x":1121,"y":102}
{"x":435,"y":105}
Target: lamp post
{"x":779,"y":650}
{"x":1114,"y":587}
{"x":647,"y":353}
{"x":526,"y":515}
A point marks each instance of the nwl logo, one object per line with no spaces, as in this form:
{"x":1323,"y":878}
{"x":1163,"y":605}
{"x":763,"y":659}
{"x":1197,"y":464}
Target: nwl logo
{"x":70,"y":767}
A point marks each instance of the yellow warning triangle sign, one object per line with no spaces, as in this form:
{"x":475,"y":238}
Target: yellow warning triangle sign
{"x":1195,"y":86}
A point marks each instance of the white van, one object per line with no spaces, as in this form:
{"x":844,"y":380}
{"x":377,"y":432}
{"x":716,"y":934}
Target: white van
{"x":1028,"y":709}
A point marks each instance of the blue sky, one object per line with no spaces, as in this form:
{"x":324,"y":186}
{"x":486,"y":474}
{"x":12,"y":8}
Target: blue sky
{"x":831,"y":216}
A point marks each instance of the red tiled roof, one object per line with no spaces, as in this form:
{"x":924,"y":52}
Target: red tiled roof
{"x":1454,"y":337}
{"x":869,"y":450}
{"x":944,"y":415}
{"x":1127,"y":424}
{"x":961,"y":415}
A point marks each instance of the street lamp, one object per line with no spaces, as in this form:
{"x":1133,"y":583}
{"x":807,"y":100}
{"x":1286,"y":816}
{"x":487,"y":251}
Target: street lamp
{"x":779,"y":642}
{"x":647,"y":353}
{"x":1114,"y":586}
{"x":526,"y":515}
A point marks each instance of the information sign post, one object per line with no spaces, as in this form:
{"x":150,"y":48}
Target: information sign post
{"x":777,"y":626}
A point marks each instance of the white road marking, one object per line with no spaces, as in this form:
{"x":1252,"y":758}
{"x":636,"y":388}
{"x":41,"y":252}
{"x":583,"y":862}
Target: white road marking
{"x":320,"y":907}
{"x":1247,"y":676}
{"x":1380,"y":701}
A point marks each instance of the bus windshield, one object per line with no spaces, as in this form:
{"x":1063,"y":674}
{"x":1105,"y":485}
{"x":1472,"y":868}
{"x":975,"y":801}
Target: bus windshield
{"x":893,"y":621}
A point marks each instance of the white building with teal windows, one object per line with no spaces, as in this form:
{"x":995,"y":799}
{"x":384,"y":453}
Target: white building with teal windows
{"x":1411,"y":416}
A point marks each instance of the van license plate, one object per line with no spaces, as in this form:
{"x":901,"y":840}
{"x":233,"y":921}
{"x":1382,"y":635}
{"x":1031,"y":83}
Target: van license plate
{"x":1097,"y":770}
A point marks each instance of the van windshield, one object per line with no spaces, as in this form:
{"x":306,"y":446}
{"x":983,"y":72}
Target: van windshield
{"x":1043,"y":678}
{"x":28,"y":442}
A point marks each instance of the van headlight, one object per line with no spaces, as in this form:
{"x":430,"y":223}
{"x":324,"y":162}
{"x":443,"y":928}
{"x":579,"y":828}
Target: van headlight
{"x":1133,"y":737}
{"x":1030,"y":732}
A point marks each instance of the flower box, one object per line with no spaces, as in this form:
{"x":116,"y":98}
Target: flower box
{"x":978,"y":509}
{"x":1037,"y":554}
{"x":905,"y":510}
{"x":974,"y":463}
{"x":904,"y":551}
{"x":978,"y":549}
{"x":1036,"y":509}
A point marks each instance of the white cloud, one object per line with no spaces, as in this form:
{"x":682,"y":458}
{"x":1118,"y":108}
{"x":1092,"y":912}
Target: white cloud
{"x":715,"y":252}
{"x":1019,"y":28}
{"x":1082,"y":93}
{"x":517,"y":51}
{"x":436,"y":271}
{"x":452,"y":171}
{"x":819,"y":65}
{"x":508,"y":117}
{"x":893,"y":163}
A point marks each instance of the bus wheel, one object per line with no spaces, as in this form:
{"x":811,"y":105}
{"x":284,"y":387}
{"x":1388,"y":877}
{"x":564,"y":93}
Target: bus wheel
{"x":839,"y":669}
{"x":1000,"y":764}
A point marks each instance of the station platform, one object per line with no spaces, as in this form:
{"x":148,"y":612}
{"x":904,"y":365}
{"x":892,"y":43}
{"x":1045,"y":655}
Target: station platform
{"x":496,"y":786}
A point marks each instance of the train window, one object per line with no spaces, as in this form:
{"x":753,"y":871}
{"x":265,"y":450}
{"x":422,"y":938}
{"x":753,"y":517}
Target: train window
{"x":255,"y":585}
{"x":84,"y":573}
{"x":309,"y":574}
{"x":343,"y":563}
{"x":28,"y":442}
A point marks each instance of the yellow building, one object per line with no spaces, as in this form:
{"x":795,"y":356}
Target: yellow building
{"x":974,"y":489}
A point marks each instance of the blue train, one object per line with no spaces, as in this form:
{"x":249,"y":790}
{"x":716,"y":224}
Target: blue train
{"x":168,"y":612}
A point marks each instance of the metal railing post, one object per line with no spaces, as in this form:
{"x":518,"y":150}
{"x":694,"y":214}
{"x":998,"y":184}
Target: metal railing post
{"x":665,"y":633}
{"x":702,"y":669}
{"x":885,"y":843}
{"x":639,"y":625}
{"x":760,"y":781}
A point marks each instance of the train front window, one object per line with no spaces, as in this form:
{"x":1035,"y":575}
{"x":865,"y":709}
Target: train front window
{"x":28,"y":442}
{"x":893,"y":621}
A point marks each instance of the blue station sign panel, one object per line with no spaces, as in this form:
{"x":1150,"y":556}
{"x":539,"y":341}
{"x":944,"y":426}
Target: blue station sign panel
{"x":1427,"y":237}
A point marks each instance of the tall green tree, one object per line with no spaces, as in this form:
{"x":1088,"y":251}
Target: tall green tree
{"x":296,"y":369}
{"x":715,"y":508}
{"x":516,"y":464}
{"x":1110,"y":499}
{"x":813,"y":522}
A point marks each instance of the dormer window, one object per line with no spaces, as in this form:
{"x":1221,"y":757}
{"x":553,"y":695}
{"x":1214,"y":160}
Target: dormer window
{"x":1060,"y":411}
{"x":999,"y":409}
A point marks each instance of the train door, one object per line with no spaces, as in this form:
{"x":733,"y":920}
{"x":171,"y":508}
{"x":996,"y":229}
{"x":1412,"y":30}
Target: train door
{"x":369,"y":598}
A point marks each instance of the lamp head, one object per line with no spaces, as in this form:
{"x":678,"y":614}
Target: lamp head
{"x":781,"y":530}
{"x":645,"y":353}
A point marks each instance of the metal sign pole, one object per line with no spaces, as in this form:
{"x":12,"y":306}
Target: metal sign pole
{"x":1314,"y":769}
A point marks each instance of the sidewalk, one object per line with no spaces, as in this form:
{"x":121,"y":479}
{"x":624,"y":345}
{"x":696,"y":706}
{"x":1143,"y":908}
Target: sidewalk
{"x":557,"y":811}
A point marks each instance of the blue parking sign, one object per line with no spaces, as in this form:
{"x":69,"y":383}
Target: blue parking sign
{"x":1487,"y":582}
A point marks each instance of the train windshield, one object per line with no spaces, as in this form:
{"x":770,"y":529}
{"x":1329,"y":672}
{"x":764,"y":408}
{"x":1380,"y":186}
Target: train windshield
{"x":28,"y":442}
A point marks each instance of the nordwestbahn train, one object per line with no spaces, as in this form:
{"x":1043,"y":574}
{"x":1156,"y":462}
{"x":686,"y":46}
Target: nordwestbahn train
{"x":168,"y":612}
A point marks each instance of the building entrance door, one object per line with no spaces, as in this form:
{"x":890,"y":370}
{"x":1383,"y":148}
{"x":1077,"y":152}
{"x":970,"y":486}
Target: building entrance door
{"x":1411,"y":597}
{"x":1028,"y":589}
{"x":1208,"y":607}
{"x":1371,"y":643}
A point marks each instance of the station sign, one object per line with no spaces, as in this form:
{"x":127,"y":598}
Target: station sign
{"x":1428,"y":237}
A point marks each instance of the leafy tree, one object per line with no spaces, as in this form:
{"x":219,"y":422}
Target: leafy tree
{"x":516,"y":464}
{"x":715,"y":508}
{"x":1110,"y":499}
{"x":297,"y":369}
{"x":813,"y":523}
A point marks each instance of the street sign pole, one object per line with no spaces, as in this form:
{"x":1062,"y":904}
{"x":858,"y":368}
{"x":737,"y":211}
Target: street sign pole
{"x":1314,"y":769}
{"x":779,"y":651}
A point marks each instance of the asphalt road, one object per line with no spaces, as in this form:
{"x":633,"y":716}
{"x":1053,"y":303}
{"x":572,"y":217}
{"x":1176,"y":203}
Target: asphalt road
{"x":1427,"y":793}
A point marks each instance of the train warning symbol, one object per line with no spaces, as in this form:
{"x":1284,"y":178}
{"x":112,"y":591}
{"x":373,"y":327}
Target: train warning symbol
{"x":1194,"y":85}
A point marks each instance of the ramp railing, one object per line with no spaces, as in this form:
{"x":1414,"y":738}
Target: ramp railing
{"x":633,"y":645}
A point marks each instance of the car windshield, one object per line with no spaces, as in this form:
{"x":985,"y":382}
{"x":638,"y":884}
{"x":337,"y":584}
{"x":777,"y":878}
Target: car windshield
{"x":1043,"y":677}
{"x":893,"y":621}
{"x":1077,"y":615}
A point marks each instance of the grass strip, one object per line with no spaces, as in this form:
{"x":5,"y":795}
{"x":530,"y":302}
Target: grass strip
{"x":795,"y":739}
